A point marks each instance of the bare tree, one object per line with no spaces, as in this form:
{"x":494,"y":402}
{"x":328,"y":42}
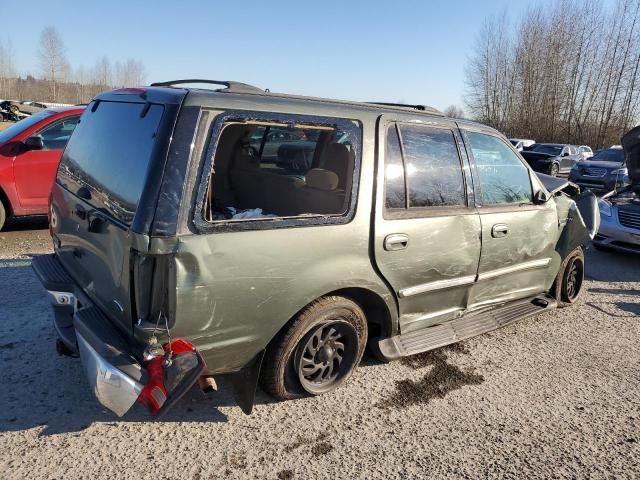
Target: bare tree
{"x":7,"y":72}
{"x":52,"y":57}
{"x":566,"y":71}
{"x":454,"y":111}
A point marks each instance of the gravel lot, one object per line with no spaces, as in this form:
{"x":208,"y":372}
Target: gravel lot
{"x":553,"y":396}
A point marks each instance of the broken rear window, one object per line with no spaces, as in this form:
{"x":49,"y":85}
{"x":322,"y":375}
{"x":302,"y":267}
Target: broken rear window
{"x":266,"y":170}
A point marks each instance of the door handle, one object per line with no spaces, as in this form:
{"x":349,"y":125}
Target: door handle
{"x":499,"y":230}
{"x":396,"y":241}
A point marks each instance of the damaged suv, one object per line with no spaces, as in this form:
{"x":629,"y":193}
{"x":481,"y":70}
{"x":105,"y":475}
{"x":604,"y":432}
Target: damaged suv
{"x":271,"y":238}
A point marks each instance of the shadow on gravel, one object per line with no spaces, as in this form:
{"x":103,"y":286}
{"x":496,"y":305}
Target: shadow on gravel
{"x":36,"y":222}
{"x":38,"y":388}
{"x":441,"y":379}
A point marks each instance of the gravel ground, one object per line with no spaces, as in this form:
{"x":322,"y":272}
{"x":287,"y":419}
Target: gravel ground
{"x":553,"y":396}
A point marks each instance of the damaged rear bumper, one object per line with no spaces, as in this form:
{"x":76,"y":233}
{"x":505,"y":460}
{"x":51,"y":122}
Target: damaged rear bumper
{"x":115,"y":375}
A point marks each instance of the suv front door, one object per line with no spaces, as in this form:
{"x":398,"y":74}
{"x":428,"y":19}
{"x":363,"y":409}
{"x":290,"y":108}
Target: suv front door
{"x":518,"y":236}
{"x":427,"y":231}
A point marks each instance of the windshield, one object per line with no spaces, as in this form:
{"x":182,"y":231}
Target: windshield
{"x":19,"y":127}
{"x":550,"y":149}
{"x":609,"y":155}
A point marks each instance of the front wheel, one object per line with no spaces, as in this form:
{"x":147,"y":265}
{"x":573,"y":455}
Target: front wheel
{"x":318,"y":352}
{"x":567,"y":287}
{"x":554,"y":170}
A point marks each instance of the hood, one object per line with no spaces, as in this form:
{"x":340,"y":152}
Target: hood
{"x":600,"y":164}
{"x":631,"y":145}
{"x":529,"y":155}
{"x":555,"y":184}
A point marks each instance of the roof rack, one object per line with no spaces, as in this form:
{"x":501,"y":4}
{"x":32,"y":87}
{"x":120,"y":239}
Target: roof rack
{"x":231,"y":86}
{"x":422,"y":108}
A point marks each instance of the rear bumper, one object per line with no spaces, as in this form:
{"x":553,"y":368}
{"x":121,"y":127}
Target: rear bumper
{"x":115,"y":376}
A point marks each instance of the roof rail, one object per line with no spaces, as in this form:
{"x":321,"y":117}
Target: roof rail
{"x":231,"y":86}
{"x":422,"y":108}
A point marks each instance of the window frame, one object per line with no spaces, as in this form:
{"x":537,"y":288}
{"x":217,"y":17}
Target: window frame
{"x":409,"y":212}
{"x":206,"y":162}
{"x":476,"y":176}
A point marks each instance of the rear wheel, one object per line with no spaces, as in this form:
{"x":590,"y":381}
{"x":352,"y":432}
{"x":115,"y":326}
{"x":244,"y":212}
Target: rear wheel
{"x":568,"y":284}
{"x":318,"y":352}
{"x":554,"y":170}
{"x":3,"y":214}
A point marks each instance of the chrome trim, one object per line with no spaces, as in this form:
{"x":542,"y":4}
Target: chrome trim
{"x":437,"y":285}
{"x":541,"y":263}
{"x":113,"y":388}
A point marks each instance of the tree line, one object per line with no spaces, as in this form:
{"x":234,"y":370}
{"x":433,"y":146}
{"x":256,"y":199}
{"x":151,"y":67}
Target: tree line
{"x":58,"y":81}
{"x":566,"y":71}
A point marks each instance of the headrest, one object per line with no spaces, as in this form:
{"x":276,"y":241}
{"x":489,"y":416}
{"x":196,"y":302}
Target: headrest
{"x":321,"y":179}
{"x":336,"y":157}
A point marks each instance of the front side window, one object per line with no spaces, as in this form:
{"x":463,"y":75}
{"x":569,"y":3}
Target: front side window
{"x":503,"y":177}
{"x":56,"y":136}
{"x":265,"y":170}
{"x":434,"y":170}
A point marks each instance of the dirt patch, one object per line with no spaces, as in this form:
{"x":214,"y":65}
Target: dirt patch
{"x":285,"y":474}
{"x":441,"y":379}
{"x":300,"y":441}
{"x":321,"y":448}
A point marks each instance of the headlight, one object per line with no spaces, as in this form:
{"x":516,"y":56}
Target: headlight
{"x":605,"y":207}
{"x":620,"y":171}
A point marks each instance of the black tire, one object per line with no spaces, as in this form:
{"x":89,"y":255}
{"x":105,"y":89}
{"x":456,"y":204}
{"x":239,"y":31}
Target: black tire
{"x":3,"y":215}
{"x":567,"y":287}
{"x":554,"y":170}
{"x":300,"y":363}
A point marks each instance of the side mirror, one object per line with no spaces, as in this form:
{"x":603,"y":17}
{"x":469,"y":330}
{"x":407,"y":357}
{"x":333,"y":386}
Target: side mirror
{"x":34,"y":143}
{"x":565,"y":154}
{"x":540,"y":197}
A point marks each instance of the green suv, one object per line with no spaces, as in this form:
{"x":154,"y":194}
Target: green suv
{"x":271,"y":238}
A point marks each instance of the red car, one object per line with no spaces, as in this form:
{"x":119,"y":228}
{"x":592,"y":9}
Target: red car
{"x":30,"y":151}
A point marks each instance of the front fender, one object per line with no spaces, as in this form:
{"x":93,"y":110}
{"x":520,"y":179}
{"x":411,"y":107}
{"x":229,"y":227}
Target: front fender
{"x":580,"y":223}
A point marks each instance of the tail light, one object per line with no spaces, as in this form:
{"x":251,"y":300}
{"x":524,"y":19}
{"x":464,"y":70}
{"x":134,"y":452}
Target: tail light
{"x":169,"y":374}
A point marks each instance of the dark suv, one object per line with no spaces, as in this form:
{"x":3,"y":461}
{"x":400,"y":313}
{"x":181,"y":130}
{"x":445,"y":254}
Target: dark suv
{"x":604,"y":172}
{"x":271,"y":238}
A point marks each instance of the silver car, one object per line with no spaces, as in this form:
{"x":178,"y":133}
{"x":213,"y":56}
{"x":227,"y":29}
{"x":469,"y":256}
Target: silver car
{"x":620,"y":211}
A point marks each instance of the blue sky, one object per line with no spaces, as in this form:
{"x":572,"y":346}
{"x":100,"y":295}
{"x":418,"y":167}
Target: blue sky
{"x":414,"y":51}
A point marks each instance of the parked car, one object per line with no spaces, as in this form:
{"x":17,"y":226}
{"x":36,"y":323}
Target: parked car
{"x":181,"y":252}
{"x":30,"y":151}
{"x":604,"y":172}
{"x":552,"y":158}
{"x":9,"y":112}
{"x":521,"y":144}
{"x":30,"y":107}
{"x":585,"y":152}
{"x":620,"y":210}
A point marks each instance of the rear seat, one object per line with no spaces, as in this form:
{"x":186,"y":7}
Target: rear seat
{"x":284,"y":195}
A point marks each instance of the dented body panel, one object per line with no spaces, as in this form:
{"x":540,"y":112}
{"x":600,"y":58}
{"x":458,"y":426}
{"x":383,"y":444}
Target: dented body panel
{"x":229,"y":288}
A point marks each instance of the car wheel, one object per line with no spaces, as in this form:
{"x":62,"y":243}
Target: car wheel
{"x":318,"y":351}
{"x":3,"y":215}
{"x":554,"y":170}
{"x":568,"y":283}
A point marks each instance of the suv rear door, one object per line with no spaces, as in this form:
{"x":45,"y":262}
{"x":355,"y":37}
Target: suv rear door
{"x":100,"y":182}
{"x":427,"y":231}
{"x":518,"y":236}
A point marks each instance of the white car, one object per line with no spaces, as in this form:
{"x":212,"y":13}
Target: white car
{"x":521,"y":143}
{"x":585,"y":151}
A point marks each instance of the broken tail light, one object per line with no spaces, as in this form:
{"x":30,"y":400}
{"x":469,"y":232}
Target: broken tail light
{"x":170,"y":376}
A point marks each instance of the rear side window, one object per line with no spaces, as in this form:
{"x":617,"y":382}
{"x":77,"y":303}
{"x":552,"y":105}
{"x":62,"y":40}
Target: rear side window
{"x":109,"y":154}
{"x":281,"y":168}
{"x":503,"y":177}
